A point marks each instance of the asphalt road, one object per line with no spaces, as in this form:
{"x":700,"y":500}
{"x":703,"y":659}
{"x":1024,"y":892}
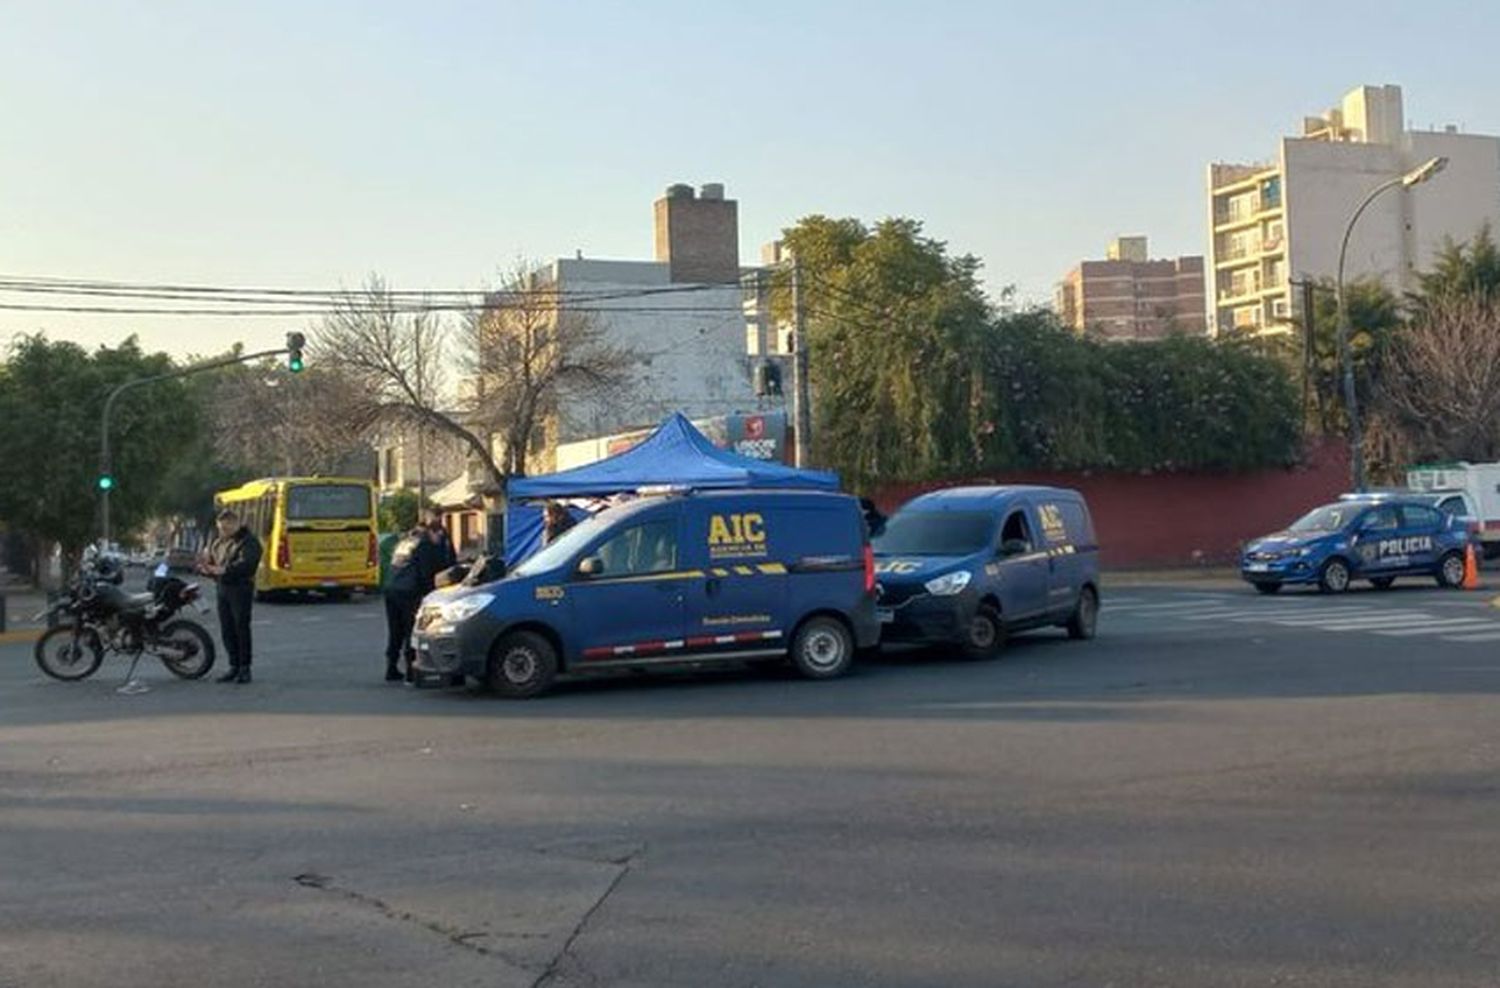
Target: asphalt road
{"x":1221,"y":790}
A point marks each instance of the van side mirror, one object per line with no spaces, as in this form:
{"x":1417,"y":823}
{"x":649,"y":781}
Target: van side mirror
{"x":592,"y":566}
{"x":1014,"y":547}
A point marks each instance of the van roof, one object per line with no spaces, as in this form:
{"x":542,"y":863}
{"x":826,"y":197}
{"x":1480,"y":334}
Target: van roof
{"x":985,"y":496}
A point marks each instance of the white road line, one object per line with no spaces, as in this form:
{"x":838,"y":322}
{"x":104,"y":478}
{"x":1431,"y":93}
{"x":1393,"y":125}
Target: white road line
{"x":1294,"y":618}
{"x":1442,"y":627}
{"x":311,"y":620}
{"x":1196,"y":605}
{"x":1393,"y":624}
{"x":1488,"y":636}
{"x":1355,"y":619}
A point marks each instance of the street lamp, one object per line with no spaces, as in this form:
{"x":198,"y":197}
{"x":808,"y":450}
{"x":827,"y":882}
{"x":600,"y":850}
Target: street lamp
{"x":1416,"y":176}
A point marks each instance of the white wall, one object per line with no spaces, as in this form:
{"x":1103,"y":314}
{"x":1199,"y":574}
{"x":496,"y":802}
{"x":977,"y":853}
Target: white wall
{"x":691,"y":360}
{"x":1459,"y":200}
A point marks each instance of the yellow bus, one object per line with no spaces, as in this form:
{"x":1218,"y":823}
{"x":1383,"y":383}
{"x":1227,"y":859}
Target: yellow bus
{"x":318,"y":533}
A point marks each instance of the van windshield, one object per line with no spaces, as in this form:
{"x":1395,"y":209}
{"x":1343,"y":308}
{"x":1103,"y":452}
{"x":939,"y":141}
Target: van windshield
{"x":552,"y":556}
{"x":936,"y":533}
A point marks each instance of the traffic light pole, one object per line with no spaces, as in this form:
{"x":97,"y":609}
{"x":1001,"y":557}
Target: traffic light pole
{"x":106,"y":478}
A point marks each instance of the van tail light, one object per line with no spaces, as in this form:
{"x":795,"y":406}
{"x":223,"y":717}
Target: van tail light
{"x":372,"y":557}
{"x":283,"y":553}
{"x":869,"y":568}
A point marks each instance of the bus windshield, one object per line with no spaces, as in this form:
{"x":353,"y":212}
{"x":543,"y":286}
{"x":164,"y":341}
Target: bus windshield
{"x":327,"y":502}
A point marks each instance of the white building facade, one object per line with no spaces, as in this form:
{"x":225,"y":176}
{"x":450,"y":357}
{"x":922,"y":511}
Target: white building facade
{"x":1282,"y":221}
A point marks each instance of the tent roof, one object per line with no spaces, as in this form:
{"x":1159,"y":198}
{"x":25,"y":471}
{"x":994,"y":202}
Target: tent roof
{"x":676,"y":453}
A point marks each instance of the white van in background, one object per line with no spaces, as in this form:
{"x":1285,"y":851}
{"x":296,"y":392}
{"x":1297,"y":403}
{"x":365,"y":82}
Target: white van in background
{"x":1465,"y":489}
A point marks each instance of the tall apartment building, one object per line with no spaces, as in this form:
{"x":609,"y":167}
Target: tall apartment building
{"x":1283,"y":220}
{"x":1128,"y":296}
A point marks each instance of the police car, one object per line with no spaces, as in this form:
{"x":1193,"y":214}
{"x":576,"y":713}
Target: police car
{"x":1375,"y":537}
{"x":684,"y":578}
{"x":968,"y":565}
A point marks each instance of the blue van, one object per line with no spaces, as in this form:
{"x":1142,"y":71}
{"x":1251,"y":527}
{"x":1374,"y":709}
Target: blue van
{"x":668,"y":580}
{"x":969,"y":565}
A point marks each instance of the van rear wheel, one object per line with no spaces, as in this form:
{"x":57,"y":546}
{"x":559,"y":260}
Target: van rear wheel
{"x":1084,"y":623}
{"x":522,"y":665}
{"x":822,"y":648}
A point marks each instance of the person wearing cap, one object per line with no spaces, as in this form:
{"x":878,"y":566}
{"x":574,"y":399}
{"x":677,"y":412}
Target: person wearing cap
{"x":415,"y":564}
{"x":233,"y":558}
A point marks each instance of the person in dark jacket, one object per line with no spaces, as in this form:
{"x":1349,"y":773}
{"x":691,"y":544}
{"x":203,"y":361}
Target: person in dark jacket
{"x":447,"y":556}
{"x":555,"y":521}
{"x":415,"y":563}
{"x":874,"y":520}
{"x":233,"y":558}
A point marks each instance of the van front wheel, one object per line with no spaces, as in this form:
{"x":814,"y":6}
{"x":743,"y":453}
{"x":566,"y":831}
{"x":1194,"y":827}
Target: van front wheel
{"x":822,"y":649}
{"x":523,"y":665}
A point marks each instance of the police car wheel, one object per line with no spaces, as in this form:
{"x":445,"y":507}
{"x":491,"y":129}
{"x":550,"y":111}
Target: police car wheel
{"x":986,"y":634}
{"x":1335,"y":576}
{"x":1383,"y":582}
{"x":523,"y":665}
{"x":1451,"y":570}
{"x":822,"y":649}
{"x":1084,"y":623}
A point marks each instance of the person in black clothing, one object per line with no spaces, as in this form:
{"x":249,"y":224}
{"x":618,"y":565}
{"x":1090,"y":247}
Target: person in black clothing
{"x":874,"y":520}
{"x":446,"y":555}
{"x":233,"y":558}
{"x":556,"y":521}
{"x":415,"y":562}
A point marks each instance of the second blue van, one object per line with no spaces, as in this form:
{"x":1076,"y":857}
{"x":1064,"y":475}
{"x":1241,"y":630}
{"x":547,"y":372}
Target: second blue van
{"x":968,"y":565}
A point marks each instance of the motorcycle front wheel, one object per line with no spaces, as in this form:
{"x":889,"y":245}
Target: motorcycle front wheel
{"x":69,"y":653}
{"x":185,"y":649}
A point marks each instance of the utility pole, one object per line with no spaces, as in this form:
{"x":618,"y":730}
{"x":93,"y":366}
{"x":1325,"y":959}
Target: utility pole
{"x":801,"y":392}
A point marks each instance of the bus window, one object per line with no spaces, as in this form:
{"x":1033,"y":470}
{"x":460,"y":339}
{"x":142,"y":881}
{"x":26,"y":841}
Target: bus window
{"x":327,"y":502}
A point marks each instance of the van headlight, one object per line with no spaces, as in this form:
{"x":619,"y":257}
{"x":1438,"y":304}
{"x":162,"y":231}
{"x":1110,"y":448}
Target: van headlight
{"x":949,"y":584}
{"x":456,"y":611}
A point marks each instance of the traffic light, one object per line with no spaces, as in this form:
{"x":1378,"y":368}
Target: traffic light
{"x":106,"y":482}
{"x":294,"y":344}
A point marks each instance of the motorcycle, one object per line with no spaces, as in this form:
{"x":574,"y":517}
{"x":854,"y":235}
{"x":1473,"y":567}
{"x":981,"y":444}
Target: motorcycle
{"x":93,"y":616}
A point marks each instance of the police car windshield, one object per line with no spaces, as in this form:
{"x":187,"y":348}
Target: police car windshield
{"x":559,"y":552}
{"x":1329,"y":518}
{"x":935,"y":533}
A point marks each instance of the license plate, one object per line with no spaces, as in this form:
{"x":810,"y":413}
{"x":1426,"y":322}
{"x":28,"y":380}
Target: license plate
{"x":1258,"y":567}
{"x":885,"y":615}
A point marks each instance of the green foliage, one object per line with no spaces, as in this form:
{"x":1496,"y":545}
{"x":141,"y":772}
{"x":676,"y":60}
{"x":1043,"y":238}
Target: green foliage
{"x":399,"y":511}
{"x":51,"y":397}
{"x":1467,"y":270}
{"x":916,"y":377}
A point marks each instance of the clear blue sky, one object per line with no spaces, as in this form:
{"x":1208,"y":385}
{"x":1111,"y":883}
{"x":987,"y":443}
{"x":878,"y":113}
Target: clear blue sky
{"x":309,"y":143}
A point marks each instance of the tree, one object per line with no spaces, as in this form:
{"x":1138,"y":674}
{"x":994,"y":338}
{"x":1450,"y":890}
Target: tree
{"x":1462,"y":270}
{"x":399,"y":511}
{"x":525,"y":350}
{"x":893,"y":321}
{"x":393,"y":353}
{"x":1441,"y":386}
{"x":267,"y":422}
{"x":51,"y":398}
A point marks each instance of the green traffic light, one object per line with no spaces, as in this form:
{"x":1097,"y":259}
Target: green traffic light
{"x":295,"y":365}
{"x":106,"y":482}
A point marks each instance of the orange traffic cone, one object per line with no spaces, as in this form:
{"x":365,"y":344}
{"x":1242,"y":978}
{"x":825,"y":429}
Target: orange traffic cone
{"x":1471,"y":570}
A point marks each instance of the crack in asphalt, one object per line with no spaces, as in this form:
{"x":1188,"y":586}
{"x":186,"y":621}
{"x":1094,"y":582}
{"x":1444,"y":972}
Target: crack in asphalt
{"x":457,"y":937}
{"x":552,"y":969}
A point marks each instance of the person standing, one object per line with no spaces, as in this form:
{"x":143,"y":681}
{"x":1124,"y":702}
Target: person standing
{"x":555,"y":521}
{"x":233,"y":558}
{"x":415,"y":563}
{"x":447,"y":556}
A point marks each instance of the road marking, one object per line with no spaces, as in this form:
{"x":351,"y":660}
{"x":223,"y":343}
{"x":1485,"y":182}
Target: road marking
{"x":311,"y":620}
{"x":1440,"y":627}
{"x":1370,"y":623}
{"x":1354,"y":617}
{"x":1488,"y":636}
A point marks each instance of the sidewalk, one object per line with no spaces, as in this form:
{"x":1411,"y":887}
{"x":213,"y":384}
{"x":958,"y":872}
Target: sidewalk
{"x":22,"y":604}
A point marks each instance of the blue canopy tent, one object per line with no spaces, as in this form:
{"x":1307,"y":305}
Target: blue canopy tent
{"x":675,"y":454}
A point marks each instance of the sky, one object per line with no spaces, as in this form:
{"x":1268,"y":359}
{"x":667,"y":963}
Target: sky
{"x":310,"y":144}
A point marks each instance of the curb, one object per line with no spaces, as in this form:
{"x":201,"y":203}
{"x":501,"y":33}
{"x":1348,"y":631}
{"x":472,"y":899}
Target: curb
{"x":23,"y":635}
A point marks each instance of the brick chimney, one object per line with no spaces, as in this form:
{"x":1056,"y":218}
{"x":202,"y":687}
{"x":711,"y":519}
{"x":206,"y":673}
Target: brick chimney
{"x":698,"y":236}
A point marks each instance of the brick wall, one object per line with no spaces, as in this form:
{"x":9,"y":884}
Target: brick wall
{"x":1165,"y":520}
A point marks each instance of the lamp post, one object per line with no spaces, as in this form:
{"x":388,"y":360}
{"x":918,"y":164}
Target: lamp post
{"x":1416,"y":176}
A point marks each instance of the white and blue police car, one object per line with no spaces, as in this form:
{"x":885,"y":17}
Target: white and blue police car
{"x":1374,"y":537}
